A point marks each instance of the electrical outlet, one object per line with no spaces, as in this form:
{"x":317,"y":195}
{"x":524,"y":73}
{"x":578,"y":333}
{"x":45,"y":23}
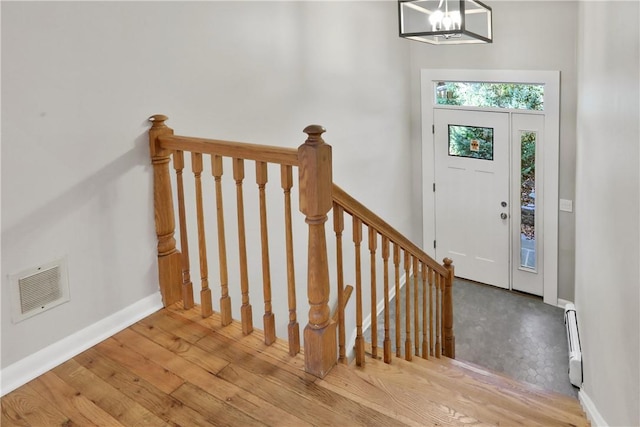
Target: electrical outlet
{"x":566,"y":205}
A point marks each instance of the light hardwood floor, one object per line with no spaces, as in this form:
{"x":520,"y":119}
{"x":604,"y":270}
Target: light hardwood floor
{"x":175,"y":368}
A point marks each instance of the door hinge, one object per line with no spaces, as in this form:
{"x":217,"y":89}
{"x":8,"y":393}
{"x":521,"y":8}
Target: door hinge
{"x":434,"y":187}
{"x":434,"y":244}
{"x":433,"y":129}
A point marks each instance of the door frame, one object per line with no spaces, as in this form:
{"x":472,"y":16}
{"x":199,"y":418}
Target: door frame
{"x":551,"y":81}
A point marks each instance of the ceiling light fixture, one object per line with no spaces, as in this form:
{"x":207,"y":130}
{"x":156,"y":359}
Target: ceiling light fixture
{"x":445,"y":21}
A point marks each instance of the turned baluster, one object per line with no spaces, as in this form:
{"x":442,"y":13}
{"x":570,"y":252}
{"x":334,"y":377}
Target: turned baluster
{"x":225,"y":300}
{"x":286,"y":181}
{"x":407,"y":310}
{"x":416,"y":308}
{"x":443,"y":283}
{"x":316,"y":183}
{"x":447,"y":321}
{"x":385,"y":261}
{"x":396,"y":263}
{"x":206,"y":306}
{"x":373,"y":244}
{"x":246,"y":315}
{"x":433,"y":277}
{"x":169,"y":258}
{"x":438,"y":318}
{"x":425,"y":272}
{"x":338,"y":228}
{"x":268,"y":318}
{"x":187,"y":285}
{"x":357,"y":241}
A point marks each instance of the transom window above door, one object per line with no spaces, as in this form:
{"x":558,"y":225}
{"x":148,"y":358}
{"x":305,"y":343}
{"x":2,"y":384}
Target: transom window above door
{"x":516,"y":96}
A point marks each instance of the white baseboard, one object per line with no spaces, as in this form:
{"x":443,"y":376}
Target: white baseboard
{"x":23,"y":371}
{"x":593,"y":415}
{"x":562,"y":303}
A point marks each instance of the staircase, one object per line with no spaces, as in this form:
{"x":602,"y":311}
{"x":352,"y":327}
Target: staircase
{"x":431,"y":390}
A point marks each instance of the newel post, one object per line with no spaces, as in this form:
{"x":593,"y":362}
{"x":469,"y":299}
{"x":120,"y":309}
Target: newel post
{"x":169,"y":258}
{"x":315,"y":184}
{"x":449,"y":338}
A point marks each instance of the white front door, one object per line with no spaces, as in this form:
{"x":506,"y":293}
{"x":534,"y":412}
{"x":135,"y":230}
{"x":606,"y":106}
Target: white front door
{"x":472,"y":193}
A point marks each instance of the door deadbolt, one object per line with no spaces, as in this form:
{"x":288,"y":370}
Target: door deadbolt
{"x":503,"y":215}
{"x":503,"y":204}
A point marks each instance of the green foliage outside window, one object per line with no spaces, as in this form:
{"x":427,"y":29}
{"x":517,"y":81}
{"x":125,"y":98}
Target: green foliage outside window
{"x":494,"y":95}
{"x":528,"y":155}
{"x":461,"y":142}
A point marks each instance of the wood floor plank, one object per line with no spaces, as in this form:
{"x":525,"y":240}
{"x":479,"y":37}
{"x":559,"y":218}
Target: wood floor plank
{"x":306,"y":406}
{"x":532,"y":404}
{"x":373,"y":397}
{"x":149,"y":342}
{"x":376,"y":395}
{"x":178,"y":346}
{"x":152,"y":372}
{"x":120,"y":406}
{"x":471,"y":397}
{"x":251,"y":344}
{"x":506,"y":383}
{"x":71,"y":402}
{"x":164,"y":406}
{"x":217,"y":343}
{"x":318,"y":403}
{"x":25,"y":406}
{"x":220,"y":411}
{"x":418,"y":389}
{"x":184,"y":330}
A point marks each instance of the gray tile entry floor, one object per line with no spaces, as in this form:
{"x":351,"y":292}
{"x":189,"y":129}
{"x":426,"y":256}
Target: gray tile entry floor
{"x":507,"y":332}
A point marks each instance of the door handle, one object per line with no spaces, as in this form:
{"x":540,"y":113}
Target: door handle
{"x":503,"y":215}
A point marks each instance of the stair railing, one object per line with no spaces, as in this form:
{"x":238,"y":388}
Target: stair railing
{"x":426,"y":281}
{"x":317,"y":196}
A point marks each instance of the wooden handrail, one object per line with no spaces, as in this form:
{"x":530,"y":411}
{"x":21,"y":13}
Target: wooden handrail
{"x":318,"y":195}
{"x":357,"y":209}
{"x":237,"y":150}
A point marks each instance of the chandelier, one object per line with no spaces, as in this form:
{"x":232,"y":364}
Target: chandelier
{"x":445,"y":21}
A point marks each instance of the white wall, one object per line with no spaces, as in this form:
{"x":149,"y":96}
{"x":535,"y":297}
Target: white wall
{"x":79,"y":80}
{"x":607,"y":209}
{"x":528,"y":35}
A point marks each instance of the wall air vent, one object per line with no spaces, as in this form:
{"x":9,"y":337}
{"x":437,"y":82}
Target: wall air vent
{"x":39,"y":289}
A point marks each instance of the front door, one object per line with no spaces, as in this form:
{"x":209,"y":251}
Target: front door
{"x":472,"y":193}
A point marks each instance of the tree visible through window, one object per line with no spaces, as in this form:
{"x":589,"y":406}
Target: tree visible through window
{"x":517,"y":96}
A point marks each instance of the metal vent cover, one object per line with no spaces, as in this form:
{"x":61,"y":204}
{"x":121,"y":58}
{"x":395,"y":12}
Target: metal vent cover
{"x":39,"y":289}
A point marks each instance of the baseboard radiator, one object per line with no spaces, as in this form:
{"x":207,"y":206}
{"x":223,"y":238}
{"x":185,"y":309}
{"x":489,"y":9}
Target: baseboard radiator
{"x":573,"y":339}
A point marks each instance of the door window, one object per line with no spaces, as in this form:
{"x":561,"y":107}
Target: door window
{"x":528,"y":200}
{"x":517,"y":96}
{"x":471,"y":141}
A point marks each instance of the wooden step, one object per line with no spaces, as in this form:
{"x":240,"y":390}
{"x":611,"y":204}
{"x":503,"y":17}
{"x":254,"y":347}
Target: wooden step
{"x":481,"y":394}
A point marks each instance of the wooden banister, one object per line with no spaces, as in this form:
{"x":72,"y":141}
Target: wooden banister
{"x":317,"y":196}
{"x":293,"y":329}
{"x":447,"y":307}
{"x":187,"y":285}
{"x":238,"y":150}
{"x":357,"y":209}
{"x":420,"y":272}
{"x":315,"y":170}
{"x":169,"y":258}
{"x":246,"y":312}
